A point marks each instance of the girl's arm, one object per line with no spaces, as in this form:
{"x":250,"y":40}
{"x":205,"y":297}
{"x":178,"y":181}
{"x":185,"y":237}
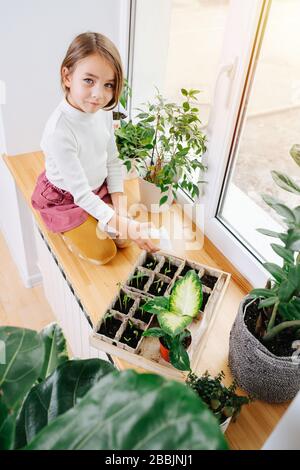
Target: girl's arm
{"x":119,"y":201}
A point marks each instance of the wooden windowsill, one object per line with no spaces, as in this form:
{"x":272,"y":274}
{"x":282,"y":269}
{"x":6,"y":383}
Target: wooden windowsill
{"x":95,"y":287}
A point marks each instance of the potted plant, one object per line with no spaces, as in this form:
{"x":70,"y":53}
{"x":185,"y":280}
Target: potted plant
{"x":264,"y":340}
{"x":118,"y":116}
{"x":222,"y":401}
{"x":174,"y":314}
{"x":49,"y":402}
{"x":165,"y":146}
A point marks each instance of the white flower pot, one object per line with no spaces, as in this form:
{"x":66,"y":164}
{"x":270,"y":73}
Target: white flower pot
{"x":150,"y":196}
{"x":225,"y":424}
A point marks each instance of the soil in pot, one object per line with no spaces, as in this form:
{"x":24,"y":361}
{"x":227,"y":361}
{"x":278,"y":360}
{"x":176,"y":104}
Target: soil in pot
{"x":139,"y":280}
{"x":205,"y":299}
{"x":158,"y":287}
{"x":141,"y":314}
{"x":281,"y":344}
{"x":185,"y":270}
{"x":150,"y":262}
{"x":131,"y":335}
{"x":209,"y":280}
{"x":168,"y":269}
{"x":109,"y":326}
{"x":123,"y":303}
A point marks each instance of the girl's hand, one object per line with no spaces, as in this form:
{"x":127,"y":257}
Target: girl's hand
{"x":135,"y":231}
{"x":139,"y":233}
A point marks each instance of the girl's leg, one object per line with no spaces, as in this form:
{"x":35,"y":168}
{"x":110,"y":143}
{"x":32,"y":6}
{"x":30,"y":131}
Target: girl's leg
{"x":83,"y":242}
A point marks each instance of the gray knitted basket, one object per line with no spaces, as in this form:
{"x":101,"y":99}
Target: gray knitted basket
{"x":258,"y":371}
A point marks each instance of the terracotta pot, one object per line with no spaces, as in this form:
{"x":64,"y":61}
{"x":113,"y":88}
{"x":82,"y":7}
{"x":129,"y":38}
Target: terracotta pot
{"x":165,"y":351}
{"x":150,"y":196}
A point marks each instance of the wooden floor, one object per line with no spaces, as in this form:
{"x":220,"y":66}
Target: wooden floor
{"x":19,"y":306}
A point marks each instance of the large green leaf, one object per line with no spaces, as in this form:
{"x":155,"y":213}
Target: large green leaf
{"x":24,"y":352}
{"x":285,"y":182}
{"x":57,"y":394}
{"x":55,"y":349}
{"x":186,"y":296}
{"x":179,"y":358}
{"x":271,"y":233}
{"x":295,"y":153}
{"x":173,"y":323}
{"x":262,"y":293}
{"x":268,"y":302}
{"x":276,"y":271}
{"x":7,"y":426}
{"x":154,"y":332}
{"x":134,"y":411}
{"x":157,"y":305}
{"x":290,"y":311}
{"x":280,"y":208}
{"x":283,"y":252}
{"x":293,"y":239}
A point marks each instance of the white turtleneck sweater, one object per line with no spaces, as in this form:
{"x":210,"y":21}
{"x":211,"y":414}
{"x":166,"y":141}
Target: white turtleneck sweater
{"x":80,"y":152}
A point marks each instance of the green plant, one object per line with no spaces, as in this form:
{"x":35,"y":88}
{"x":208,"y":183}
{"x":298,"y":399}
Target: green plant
{"x":88,"y":404}
{"x":107,"y":316}
{"x":280,"y":300}
{"x":166,"y":144}
{"x":126,"y":92}
{"x":137,"y":277}
{"x":167,"y":269}
{"x":174,"y":314}
{"x":222,"y":401}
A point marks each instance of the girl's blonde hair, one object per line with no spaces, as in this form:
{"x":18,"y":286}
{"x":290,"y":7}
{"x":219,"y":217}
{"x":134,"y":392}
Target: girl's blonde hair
{"x":89,"y":43}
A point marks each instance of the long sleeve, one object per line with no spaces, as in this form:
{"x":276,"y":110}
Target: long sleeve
{"x":114,"y":164}
{"x":63,"y":148}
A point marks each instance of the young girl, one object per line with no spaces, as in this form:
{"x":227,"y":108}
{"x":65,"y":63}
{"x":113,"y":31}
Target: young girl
{"x":80,"y":193}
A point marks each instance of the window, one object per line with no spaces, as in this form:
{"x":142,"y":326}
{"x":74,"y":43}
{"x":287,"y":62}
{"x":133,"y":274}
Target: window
{"x":270,"y":127}
{"x":243,"y":55}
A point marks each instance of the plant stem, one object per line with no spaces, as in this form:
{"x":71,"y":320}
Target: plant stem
{"x":273,"y":317}
{"x":277,"y":329}
{"x":156,"y":130}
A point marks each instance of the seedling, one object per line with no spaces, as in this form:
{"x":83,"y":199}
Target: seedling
{"x":169,"y":269}
{"x":139,"y":280}
{"x":110,"y":325}
{"x":131,"y":335}
{"x":124,"y":303}
{"x":150,"y":263}
{"x":141,"y":314}
{"x":158,"y":287}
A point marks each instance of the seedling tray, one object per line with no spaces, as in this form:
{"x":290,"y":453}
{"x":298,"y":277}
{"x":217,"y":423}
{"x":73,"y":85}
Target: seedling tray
{"x":118,"y":332}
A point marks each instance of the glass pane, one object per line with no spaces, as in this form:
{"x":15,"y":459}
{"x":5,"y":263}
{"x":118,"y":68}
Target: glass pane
{"x":196,"y":36}
{"x":271,"y":127}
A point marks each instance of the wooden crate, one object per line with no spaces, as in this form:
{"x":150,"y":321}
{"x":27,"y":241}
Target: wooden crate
{"x":146,"y":353}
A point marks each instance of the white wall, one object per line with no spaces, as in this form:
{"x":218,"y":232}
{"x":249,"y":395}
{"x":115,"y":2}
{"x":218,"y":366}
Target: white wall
{"x":34,"y":37}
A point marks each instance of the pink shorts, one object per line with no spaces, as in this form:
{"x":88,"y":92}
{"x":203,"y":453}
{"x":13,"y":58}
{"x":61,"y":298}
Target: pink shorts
{"x":56,"y":206}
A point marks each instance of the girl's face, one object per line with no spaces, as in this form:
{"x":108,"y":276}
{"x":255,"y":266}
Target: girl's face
{"x":91,"y":85}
